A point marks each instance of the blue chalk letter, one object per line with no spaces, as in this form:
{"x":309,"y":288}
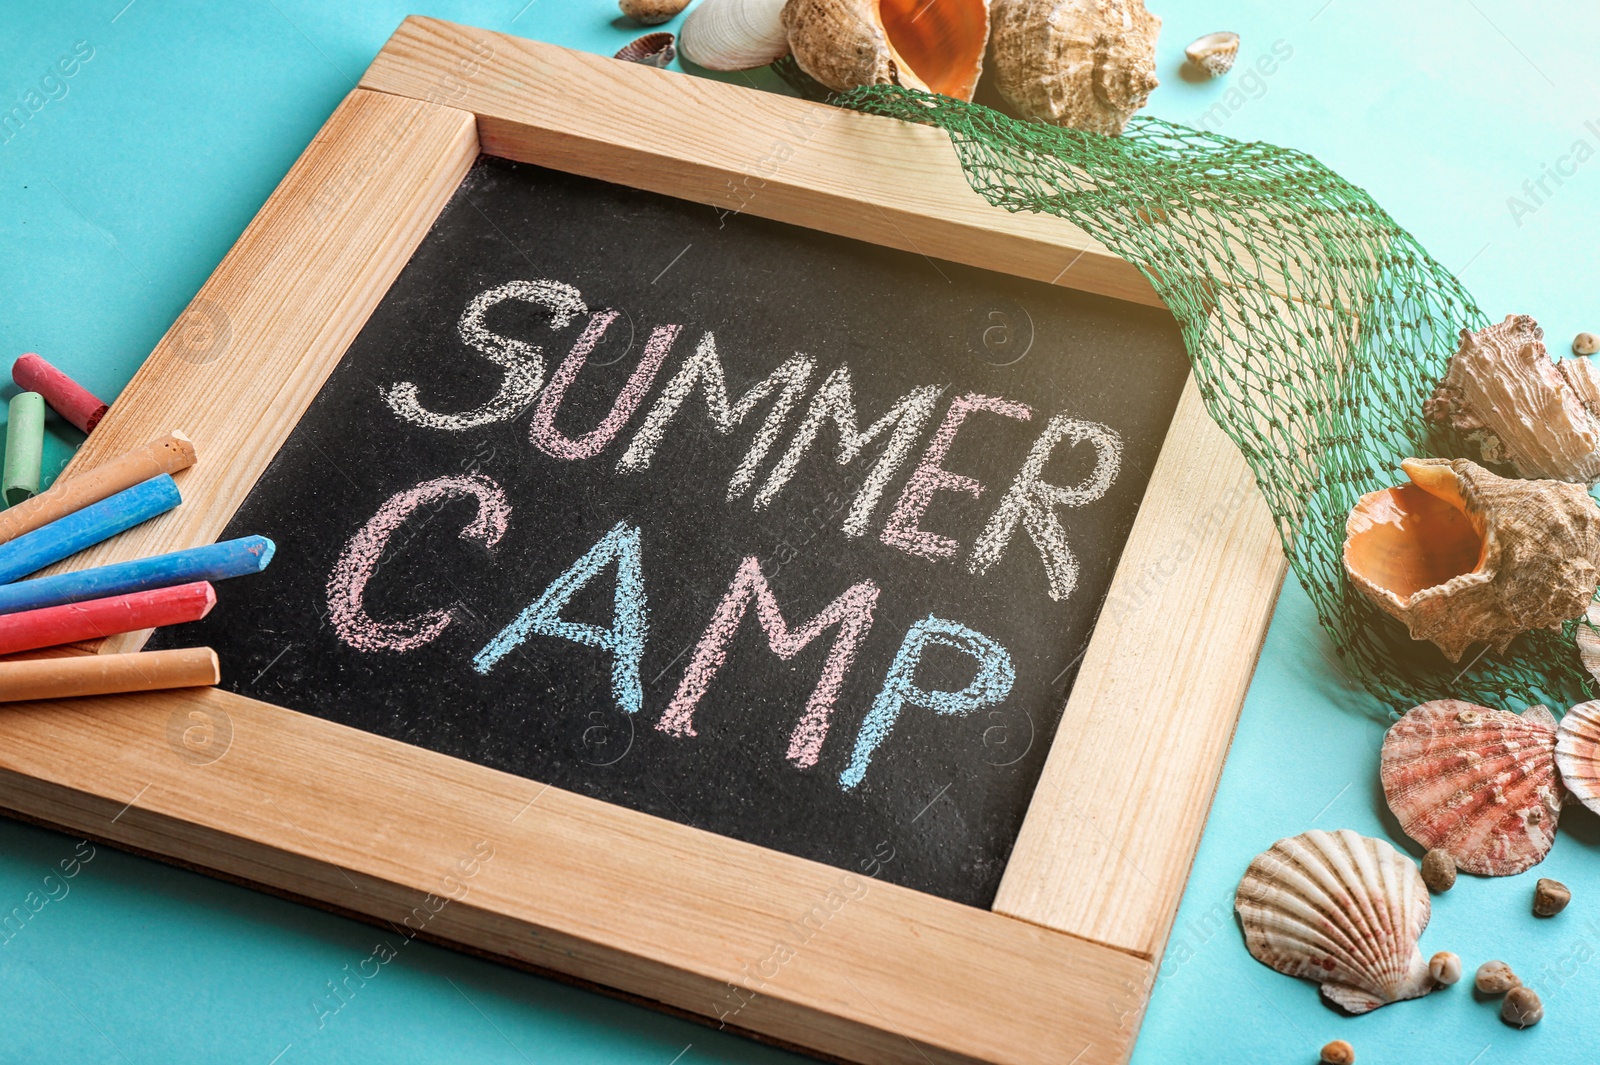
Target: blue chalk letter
{"x":624,"y":640}
{"x":993,"y":683}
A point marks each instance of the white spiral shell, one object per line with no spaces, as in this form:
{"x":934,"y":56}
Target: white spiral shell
{"x":1343,"y":910}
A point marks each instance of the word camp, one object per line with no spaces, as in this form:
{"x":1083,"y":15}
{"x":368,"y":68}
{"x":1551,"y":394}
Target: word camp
{"x":791,"y":427}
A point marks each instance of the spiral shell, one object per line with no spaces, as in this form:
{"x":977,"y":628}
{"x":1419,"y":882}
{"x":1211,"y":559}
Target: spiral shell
{"x":1477,"y":783}
{"x":1084,"y":64}
{"x":1463,"y":556}
{"x":1578,"y":753}
{"x":1343,"y":910}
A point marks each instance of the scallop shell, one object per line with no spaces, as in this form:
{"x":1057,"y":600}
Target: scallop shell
{"x":933,"y":45}
{"x":1588,"y":640}
{"x":1518,"y":407}
{"x":652,"y":12}
{"x":1463,"y":556}
{"x":734,"y":34}
{"x":1087,"y":64}
{"x":1343,"y":910}
{"x":1578,"y":753}
{"x":1214,"y":53}
{"x":1477,"y":783}
{"x":651,"y":50}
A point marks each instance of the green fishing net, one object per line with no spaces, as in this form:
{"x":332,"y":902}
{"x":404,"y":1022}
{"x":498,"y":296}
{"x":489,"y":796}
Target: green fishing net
{"x":1316,"y":327}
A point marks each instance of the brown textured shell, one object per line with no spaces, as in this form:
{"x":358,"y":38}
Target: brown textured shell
{"x":1578,"y":753}
{"x":1087,"y":64}
{"x":1477,"y":783}
{"x":1463,"y":556}
{"x":652,"y":12}
{"x":1343,"y":910}
{"x":1504,"y":393}
{"x":934,"y":46}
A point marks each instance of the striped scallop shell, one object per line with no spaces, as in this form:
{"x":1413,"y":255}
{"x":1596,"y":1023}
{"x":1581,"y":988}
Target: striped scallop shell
{"x":1477,"y":783}
{"x":1343,"y":910}
{"x":1578,"y":753}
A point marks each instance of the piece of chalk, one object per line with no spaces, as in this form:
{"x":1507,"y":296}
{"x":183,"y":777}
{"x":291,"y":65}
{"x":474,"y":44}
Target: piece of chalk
{"x":24,"y":447}
{"x":214,"y":562}
{"x":170,"y":454}
{"x":100,"y":521}
{"x":99,"y":618}
{"x":145,"y":671}
{"x":66,"y":397}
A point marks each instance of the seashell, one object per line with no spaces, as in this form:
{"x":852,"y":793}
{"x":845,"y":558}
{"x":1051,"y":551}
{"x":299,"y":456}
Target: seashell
{"x":1588,"y":640}
{"x":1445,"y":968}
{"x":1522,"y":1007}
{"x":1214,"y":53}
{"x":1086,"y":64}
{"x":651,"y":12}
{"x":1518,"y":407}
{"x":652,"y":50}
{"x":734,"y":34}
{"x":1343,"y":910}
{"x":934,"y":46}
{"x":1578,"y":752}
{"x":1463,"y":556}
{"x":1585,"y":344}
{"x":1337,"y":1052}
{"x":1477,"y":783}
{"x":1495,"y":978}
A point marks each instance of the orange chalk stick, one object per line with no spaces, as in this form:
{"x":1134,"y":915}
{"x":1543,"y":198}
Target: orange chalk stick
{"x":170,"y":454}
{"x":61,"y":678}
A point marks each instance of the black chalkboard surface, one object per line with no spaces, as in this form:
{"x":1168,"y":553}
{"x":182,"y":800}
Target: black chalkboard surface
{"x":788,"y":537}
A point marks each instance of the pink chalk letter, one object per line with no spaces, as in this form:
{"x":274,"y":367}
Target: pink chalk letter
{"x":852,"y":612}
{"x":544,"y":434}
{"x":347,"y":585}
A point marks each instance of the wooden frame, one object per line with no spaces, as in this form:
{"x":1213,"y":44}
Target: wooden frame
{"x":1059,"y":971}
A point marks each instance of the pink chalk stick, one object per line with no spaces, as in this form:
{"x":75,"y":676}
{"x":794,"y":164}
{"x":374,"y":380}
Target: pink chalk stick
{"x":98,"y":618}
{"x":66,"y":397}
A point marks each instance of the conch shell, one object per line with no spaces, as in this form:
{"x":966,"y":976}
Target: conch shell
{"x":1463,"y":556}
{"x":734,"y":34}
{"x":1578,"y":753}
{"x":1504,"y":393}
{"x":1087,"y":64}
{"x":1343,"y":910}
{"x":932,"y":45}
{"x":1476,"y":783}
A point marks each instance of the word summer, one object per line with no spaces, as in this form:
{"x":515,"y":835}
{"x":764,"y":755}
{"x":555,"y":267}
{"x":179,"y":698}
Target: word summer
{"x":1029,"y":503}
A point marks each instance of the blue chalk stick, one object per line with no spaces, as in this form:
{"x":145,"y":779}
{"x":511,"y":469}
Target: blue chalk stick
{"x":87,"y":527}
{"x":231,"y":558}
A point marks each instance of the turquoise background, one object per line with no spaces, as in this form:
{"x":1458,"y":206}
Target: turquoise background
{"x":120,"y":197}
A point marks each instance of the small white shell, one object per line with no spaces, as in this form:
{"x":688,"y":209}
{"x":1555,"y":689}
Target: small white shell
{"x":734,"y":34}
{"x":1585,"y":344}
{"x":1343,"y":910}
{"x":1214,"y":53}
{"x":1578,"y":752}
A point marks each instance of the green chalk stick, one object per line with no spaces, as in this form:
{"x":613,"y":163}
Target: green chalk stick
{"x":24,"y":447}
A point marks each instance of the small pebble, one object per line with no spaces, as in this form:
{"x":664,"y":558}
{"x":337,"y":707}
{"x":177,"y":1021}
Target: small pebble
{"x":1522,"y":1008}
{"x":1550,"y":897}
{"x":1445,"y":968}
{"x":1496,"y":978}
{"x":1438,"y":871}
{"x":1338,"y":1052}
{"x":1585,"y":344}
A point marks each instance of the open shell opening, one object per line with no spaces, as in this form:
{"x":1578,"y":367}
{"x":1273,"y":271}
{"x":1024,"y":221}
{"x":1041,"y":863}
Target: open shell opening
{"x":942,"y":49}
{"x":1414,"y":536}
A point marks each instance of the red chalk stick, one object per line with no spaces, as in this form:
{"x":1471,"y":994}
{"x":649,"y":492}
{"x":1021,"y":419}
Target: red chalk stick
{"x":66,"y":397}
{"x":97,"y":618}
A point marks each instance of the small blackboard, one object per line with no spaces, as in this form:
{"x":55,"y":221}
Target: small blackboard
{"x":573,"y":506}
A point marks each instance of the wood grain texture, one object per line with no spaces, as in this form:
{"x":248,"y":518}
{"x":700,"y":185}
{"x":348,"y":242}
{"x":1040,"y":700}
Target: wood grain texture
{"x":592,"y":890}
{"x":741,"y":151}
{"x":239,"y":367}
{"x":1108,"y":840}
